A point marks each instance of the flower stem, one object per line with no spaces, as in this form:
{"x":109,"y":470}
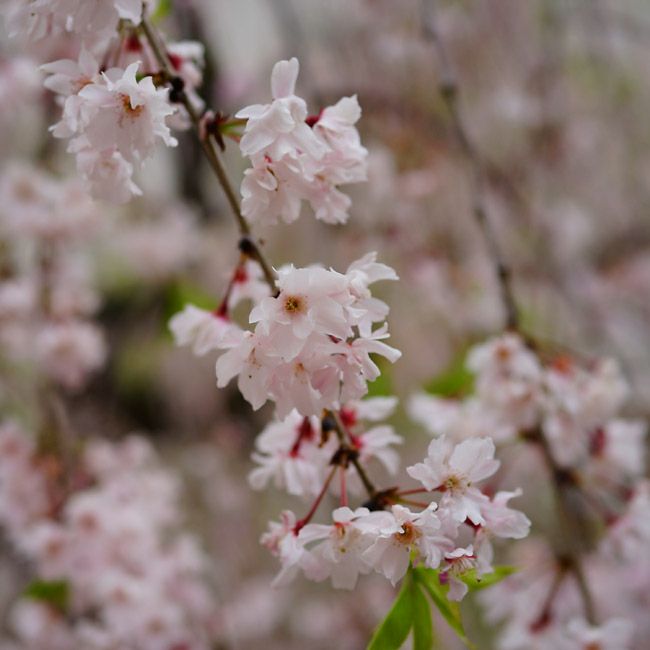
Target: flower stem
{"x":345,"y":438}
{"x":312,"y":511}
{"x":403,"y":493}
{"x":344,"y":487}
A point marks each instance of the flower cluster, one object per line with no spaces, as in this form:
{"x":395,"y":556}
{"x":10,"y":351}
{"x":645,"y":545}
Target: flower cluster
{"x":452,"y":535}
{"x":111,"y":534}
{"x":295,"y":452}
{"x":46,"y":297}
{"x":297,"y":157}
{"x":113,"y":112}
{"x":540,"y":606}
{"x":114,"y":119}
{"x":311,"y":345}
{"x":575,"y":409}
{"x":97,"y":19}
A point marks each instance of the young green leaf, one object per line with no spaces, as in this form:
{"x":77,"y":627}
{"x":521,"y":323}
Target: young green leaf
{"x":162,"y":10}
{"x":422,"y":623}
{"x":476,"y":582}
{"x":449,"y":610}
{"x":393,"y":630}
{"x":52,"y":592}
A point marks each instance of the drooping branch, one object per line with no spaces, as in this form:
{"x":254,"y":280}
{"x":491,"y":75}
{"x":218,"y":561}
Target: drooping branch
{"x":249,"y":245}
{"x":448,"y":88}
{"x":449,"y":91}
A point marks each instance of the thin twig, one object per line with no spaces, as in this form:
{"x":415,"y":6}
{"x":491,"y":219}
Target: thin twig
{"x":211,"y":153}
{"x":571,"y":529}
{"x":449,"y":91}
{"x":448,"y":88}
{"x":345,"y":439}
{"x":314,"y":506}
{"x":248,"y":245}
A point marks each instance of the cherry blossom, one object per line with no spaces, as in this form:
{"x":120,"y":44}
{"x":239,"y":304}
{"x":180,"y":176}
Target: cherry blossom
{"x":398,"y":534}
{"x":613,"y":634}
{"x":500,"y":521}
{"x":296,"y":157}
{"x":68,"y":352}
{"x":454,"y":470}
{"x":90,"y":18}
{"x":131,"y":582}
{"x":303,"y":353}
{"x":340,"y":553}
{"x":283,"y":541}
{"x":114,"y":120}
{"x":203,"y":330}
{"x":290,"y":453}
{"x":456,"y":563}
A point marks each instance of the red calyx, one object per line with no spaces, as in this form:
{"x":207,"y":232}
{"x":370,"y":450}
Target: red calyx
{"x":598,"y":442}
{"x":541,"y":622}
{"x":241,"y":275}
{"x":311,"y":120}
{"x":175,"y":60}
{"x":563,"y":364}
{"x":305,"y":432}
{"x":133,"y":44}
{"x":348,"y":417}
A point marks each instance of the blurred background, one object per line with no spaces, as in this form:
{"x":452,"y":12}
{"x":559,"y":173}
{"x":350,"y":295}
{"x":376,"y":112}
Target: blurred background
{"x":555,"y":95}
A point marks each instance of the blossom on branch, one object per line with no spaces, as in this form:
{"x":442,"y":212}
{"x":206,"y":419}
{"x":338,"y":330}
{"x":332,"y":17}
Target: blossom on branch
{"x":296,"y":157}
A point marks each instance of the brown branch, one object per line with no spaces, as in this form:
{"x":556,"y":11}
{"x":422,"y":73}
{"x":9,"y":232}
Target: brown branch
{"x":345,"y":439}
{"x":251,"y":247}
{"x":448,"y":88}
{"x":449,"y":91}
{"x":247,"y":245}
{"x":571,"y":526}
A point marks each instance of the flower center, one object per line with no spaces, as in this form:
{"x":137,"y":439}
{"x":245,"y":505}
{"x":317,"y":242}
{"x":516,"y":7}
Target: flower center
{"x":459,"y":565}
{"x":503,"y":353}
{"x":453,"y":483}
{"x":294,"y":304}
{"x":128,"y":108}
{"x":408,"y":535}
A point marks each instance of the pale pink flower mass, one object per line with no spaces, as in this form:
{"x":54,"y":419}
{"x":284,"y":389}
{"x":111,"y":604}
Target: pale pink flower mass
{"x":133,"y":492}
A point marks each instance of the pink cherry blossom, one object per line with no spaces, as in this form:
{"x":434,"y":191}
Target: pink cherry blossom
{"x":398,"y":534}
{"x":340,"y":551}
{"x":203,"y":330}
{"x":454,"y":470}
{"x":297,"y":158}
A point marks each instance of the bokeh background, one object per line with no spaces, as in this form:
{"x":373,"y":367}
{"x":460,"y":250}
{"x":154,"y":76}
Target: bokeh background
{"x":556,"y":97}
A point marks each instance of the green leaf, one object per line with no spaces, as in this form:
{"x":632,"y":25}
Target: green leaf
{"x":393,"y":630}
{"x":162,"y":10}
{"x":455,"y":381}
{"x":449,"y":610}
{"x":476,"y":582}
{"x":422,"y":623}
{"x":52,"y":592}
